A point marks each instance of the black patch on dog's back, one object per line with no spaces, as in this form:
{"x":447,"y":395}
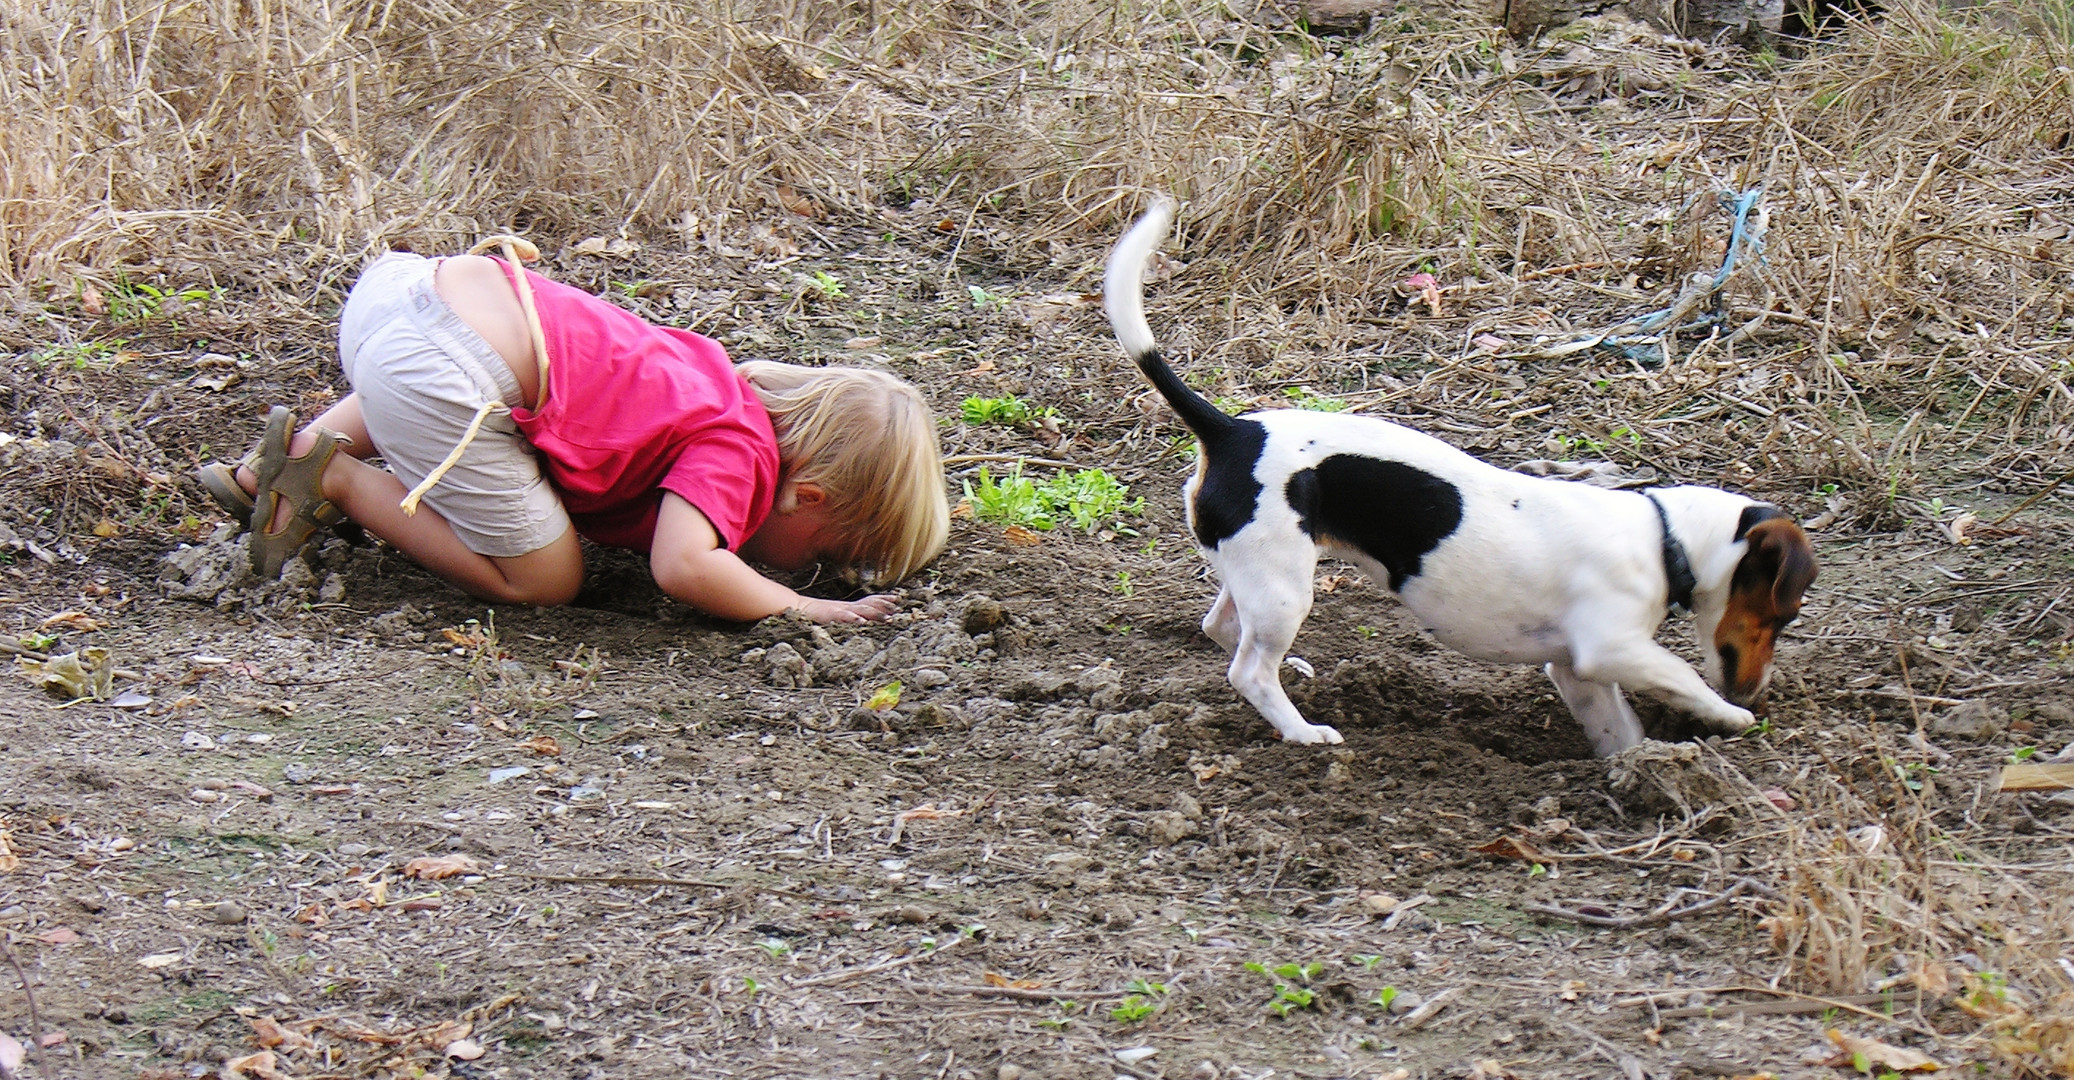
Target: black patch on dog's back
{"x":1225,"y":502}
{"x":1754,"y":515}
{"x":1388,"y":509}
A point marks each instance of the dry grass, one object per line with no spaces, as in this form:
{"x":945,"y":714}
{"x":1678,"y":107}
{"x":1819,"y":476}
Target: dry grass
{"x":1881,"y":892}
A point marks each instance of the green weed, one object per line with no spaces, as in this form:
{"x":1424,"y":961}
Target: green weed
{"x":1084,"y":498}
{"x":998,"y":410}
{"x":1292,"y":991}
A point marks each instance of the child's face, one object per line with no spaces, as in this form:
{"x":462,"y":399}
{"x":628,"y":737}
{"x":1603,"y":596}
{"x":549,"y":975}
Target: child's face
{"x":799,"y":532}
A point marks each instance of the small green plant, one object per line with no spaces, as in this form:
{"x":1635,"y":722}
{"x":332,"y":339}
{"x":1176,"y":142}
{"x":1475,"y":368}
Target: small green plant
{"x":1368,"y":961}
{"x":1011,"y":500}
{"x":1303,"y":397}
{"x":997,"y":410}
{"x":1085,"y":498}
{"x":1089,"y":497}
{"x":825,"y":286}
{"x":2024,"y":753}
{"x":1366,"y":632}
{"x":1067,"y":1007}
{"x":78,"y":355}
{"x":750,"y":987}
{"x":1123,"y":583}
{"x":982,"y":299}
{"x":1383,"y":998}
{"x":140,"y":301}
{"x":774,"y":948}
{"x":1292,"y":991}
{"x":1142,"y":1001}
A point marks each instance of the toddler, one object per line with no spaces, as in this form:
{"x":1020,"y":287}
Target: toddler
{"x":524,"y":412}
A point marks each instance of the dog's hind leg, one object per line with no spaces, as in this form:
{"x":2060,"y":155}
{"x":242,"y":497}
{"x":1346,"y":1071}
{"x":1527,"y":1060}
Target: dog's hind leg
{"x":1221,"y":623}
{"x":1600,"y":708}
{"x":1272,"y":599}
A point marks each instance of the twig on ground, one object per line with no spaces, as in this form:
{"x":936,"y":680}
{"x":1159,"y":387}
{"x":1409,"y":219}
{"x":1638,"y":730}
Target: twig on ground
{"x":1628,"y":1065}
{"x":1418,"y":1017}
{"x":687,"y":883}
{"x":1015,"y":992}
{"x":975,"y":459}
{"x":29,"y":997}
{"x":1668,"y":912}
{"x":858,"y":973}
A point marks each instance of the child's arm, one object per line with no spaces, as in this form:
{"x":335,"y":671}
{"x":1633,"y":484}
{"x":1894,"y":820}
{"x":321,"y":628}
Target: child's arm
{"x":689,"y":563}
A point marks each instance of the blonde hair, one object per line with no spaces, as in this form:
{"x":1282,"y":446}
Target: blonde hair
{"x":869,"y":441}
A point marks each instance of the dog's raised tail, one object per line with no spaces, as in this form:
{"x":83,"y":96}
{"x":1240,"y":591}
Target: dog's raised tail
{"x":1123,"y":297}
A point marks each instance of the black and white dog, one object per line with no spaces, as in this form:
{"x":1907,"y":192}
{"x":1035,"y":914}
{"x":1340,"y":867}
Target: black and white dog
{"x":1497,"y":565}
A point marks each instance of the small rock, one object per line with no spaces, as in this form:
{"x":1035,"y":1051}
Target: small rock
{"x":354,"y":851}
{"x":928,"y":678}
{"x":1166,"y":827}
{"x":1009,"y":1071}
{"x":2053,"y":712}
{"x":1405,"y":1001}
{"x":228,"y":913}
{"x":1548,"y":806}
{"x":911,"y":915}
{"x":1337,"y":774}
{"x":1378,"y":903}
{"x":1971,"y":720}
{"x":195,"y":740}
{"x":1135,"y":1054}
{"x":509,"y":772}
{"x":983,"y":615}
{"x":788,"y":669}
{"x":1185,"y":805}
{"x":1966,"y":618}
{"x":295,"y":772}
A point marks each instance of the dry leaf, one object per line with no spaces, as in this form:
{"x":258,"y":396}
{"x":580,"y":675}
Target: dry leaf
{"x":158,"y":960}
{"x":88,"y":673}
{"x":993,"y":979}
{"x":74,"y":620}
{"x":797,"y":203}
{"x":980,"y":368}
{"x":543,"y":744}
{"x":9,"y":861}
{"x":1869,"y":1054}
{"x":1508,"y":847}
{"x":886,"y":697}
{"x":268,"y":1033}
{"x":856,"y":344}
{"x":1778,"y":797}
{"x":444,"y":866}
{"x":464,"y":1049}
{"x":259,"y":1066}
{"x":63,"y":935}
{"x":1424,"y":287}
{"x":1021,"y":537}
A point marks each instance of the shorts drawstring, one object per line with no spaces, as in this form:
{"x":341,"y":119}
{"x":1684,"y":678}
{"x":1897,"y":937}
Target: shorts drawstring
{"x":517,"y":251}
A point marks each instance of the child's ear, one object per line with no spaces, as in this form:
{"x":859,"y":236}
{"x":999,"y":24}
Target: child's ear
{"x":808,"y":495}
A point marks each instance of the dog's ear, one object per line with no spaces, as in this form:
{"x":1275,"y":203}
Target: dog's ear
{"x":1779,"y":557}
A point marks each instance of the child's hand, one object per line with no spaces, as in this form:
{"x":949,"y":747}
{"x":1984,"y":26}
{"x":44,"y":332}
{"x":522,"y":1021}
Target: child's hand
{"x":869,"y":609}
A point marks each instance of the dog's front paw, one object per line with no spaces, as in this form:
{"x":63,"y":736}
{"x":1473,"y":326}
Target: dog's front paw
{"x":1734,"y":721}
{"x":1311,"y":734}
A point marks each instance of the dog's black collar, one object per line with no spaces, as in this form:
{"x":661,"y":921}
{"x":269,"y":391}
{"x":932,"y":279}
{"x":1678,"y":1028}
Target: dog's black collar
{"x":1677,"y":567}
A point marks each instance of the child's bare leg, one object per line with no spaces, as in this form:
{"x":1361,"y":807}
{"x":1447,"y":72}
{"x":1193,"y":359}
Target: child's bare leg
{"x":372,"y":498}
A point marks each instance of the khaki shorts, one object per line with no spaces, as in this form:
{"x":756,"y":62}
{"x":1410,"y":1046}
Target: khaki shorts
{"x":420,"y":373}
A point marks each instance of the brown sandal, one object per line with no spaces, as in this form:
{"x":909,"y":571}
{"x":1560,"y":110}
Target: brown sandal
{"x":297,"y":481}
{"x":221,"y":482}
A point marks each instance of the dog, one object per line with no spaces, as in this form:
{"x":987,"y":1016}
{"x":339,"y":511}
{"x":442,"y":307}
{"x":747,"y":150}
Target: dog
{"x":1497,"y":565}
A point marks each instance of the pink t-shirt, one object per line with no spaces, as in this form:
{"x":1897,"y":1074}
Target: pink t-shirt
{"x":633,"y":410}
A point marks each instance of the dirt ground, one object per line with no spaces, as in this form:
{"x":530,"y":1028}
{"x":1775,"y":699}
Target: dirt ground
{"x":686,"y":848}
